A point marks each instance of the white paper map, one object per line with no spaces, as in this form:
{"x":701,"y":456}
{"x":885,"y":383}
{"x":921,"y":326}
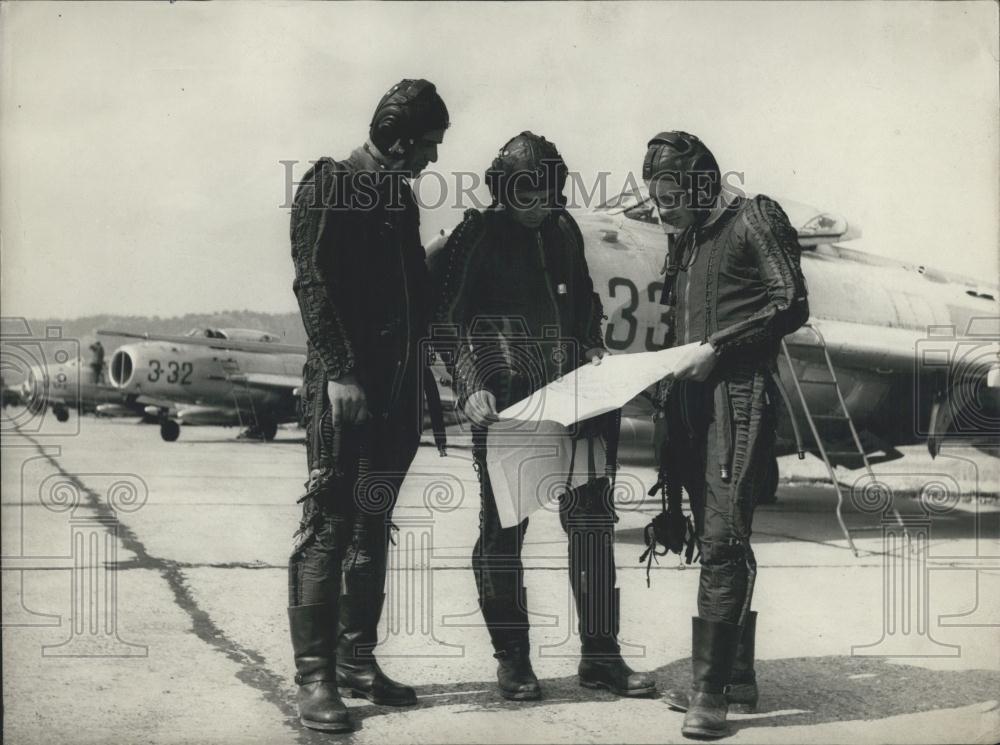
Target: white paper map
{"x":591,"y":390}
{"x":530,"y":470}
{"x":528,"y":451}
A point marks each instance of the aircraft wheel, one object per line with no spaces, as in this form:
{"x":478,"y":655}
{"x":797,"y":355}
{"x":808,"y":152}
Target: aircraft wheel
{"x":170,"y":430}
{"x":61,"y":413}
{"x":269,"y":430}
{"x":769,"y":489}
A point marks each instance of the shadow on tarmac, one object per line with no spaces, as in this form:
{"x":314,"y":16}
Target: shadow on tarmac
{"x":794,"y":691}
{"x":815,"y":690}
{"x":806,"y":513}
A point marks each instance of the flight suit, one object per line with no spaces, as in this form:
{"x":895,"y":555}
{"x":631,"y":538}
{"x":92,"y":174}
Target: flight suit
{"x":362,"y":286}
{"x":527,"y":312}
{"x":733,"y":281}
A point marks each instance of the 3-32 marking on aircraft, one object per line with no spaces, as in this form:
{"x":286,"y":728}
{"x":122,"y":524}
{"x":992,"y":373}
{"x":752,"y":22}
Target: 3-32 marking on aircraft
{"x":177,"y":373}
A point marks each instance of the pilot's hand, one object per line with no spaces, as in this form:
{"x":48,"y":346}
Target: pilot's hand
{"x":697,"y":364}
{"x":347,"y":400}
{"x":481,"y":408}
{"x":594,"y":355}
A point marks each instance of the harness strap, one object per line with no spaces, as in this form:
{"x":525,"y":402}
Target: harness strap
{"x":723,"y":429}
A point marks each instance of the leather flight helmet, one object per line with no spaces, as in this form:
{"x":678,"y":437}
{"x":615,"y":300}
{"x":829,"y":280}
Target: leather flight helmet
{"x":527,"y":162}
{"x":689,"y":161}
{"x":409,"y":109}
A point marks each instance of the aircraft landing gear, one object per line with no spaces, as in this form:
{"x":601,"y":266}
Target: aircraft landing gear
{"x":61,"y":413}
{"x":169,"y":430}
{"x":300,"y":411}
{"x":265,"y":430}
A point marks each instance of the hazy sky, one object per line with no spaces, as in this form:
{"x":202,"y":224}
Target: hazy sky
{"x":140,"y":147}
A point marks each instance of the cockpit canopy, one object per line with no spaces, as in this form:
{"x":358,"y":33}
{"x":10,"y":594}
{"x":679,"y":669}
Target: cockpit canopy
{"x":814,"y":226}
{"x":233,"y":334}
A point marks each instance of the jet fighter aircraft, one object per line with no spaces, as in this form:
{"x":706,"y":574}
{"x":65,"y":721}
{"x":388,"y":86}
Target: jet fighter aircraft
{"x":72,"y":385}
{"x":913,"y":350}
{"x":210,"y":376}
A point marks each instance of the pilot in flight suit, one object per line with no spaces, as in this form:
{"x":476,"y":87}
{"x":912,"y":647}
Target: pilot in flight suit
{"x":517,"y":291}
{"x":735,"y":285}
{"x":363,"y":288}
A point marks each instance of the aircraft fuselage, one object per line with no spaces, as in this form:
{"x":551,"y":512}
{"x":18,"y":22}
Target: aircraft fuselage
{"x":204,"y":376}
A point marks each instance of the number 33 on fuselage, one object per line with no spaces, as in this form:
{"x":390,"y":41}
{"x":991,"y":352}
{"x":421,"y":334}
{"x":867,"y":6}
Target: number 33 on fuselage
{"x":633,"y":318}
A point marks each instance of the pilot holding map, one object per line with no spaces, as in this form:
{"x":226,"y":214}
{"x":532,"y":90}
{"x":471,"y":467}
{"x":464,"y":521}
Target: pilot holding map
{"x":517,"y":291}
{"x":734,"y":281}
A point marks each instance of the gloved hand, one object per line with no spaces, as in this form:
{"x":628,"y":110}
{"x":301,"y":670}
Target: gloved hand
{"x":481,"y":408}
{"x":671,"y":529}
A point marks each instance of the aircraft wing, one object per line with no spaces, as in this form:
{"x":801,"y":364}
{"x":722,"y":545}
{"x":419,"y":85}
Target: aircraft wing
{"x":898,"y":350}
{"x":959,"y":366}
{"x":198,"y":341}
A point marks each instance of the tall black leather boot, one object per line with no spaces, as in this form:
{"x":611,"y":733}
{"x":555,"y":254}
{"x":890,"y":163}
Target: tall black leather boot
{"x":516,"y":679}
{"x":601,"y":663}
{"x":506,"y":621}
{"x":742,"y":693}
{"x":589,"y":521}
{"x":312,"y":628}
{"x":713,"y":647}
{"x":358,"y":671}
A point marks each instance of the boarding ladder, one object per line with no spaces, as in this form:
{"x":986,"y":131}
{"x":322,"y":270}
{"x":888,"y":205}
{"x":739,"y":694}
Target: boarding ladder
{"x":818,"y":342}
{"x":232,"y":368}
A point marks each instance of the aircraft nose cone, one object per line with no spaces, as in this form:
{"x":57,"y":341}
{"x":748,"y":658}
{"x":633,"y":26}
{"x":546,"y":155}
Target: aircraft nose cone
{"x":121,"y":368}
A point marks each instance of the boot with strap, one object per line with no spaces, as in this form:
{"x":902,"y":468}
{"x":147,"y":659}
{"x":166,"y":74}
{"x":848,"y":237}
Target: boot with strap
{"x":601,"y":663}
{"x":358,"y":671}
{"x":713,"y":648}
{"x":506,"y":620}
{"x":516,"y":679}
{"x":742,"y":693}
{"x":312,"y":628}
{"x":588,"y":517}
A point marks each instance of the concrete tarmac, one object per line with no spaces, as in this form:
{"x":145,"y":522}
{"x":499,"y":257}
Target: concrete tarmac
{"x":144,"y":594}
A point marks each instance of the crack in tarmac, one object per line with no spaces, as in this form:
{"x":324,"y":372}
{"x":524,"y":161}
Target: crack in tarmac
{"x":253,"y":669}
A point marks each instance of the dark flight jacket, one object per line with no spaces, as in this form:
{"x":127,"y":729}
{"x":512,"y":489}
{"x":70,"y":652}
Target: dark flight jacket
{"x":360,"y":277}
{"x":522,"y":302}
{"x":737,"y":281}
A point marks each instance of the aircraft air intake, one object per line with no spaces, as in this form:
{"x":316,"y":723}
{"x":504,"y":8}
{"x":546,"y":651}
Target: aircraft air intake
{"x":120,"y":369}
{"x":33,"y":388}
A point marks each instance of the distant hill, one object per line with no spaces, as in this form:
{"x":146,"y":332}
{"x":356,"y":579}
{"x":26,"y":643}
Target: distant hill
{"x":288,"y":326}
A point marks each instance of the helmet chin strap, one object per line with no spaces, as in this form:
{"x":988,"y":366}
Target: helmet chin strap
{"x":385,"y":161}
